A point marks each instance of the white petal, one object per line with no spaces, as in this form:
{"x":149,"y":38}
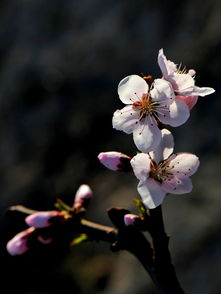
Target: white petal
{"x":132,"y":88}
{"x":167,"y":67}
{"x":183,"y":84}
{"x":165,"y":148}
{"x":162,"y":92}
{"x":162,"y":62}
{"x":184,"y":164}
{"x":203,"y":91}
{"x":151,"y":193}
{"x":177,"y":185}
{"x":141,"y":166}
{"x":147,"y":135}
{"x":177,"y":115}
{"x":171,"y":66}
{"x":126,"y":119}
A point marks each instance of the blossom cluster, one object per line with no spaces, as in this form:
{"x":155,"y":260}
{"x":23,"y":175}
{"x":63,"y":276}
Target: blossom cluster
{"x":152,"y":106}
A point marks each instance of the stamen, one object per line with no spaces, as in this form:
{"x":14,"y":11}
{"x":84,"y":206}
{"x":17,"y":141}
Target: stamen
{"x":152,"y":120}
{"x":137,"y":96}
{"x":160,"y":112}
{"x":161,"y":172}
{"x":181,"y":71}
{"x":142,"y":129}
{"x":155,"y":115}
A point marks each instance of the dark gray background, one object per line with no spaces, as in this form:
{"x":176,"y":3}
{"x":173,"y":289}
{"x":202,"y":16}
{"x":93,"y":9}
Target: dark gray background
{"x":60,"y":64}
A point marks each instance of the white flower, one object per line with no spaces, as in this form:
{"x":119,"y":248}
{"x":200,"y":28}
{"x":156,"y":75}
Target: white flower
{"x":145,"y":107}
{"x":160,"y":172}
{"x":183,"y":82}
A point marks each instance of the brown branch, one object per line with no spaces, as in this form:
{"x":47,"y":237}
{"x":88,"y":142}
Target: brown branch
{"x":165,"y":274}
{"x":155,"y":258}
{"x":98,"y":232}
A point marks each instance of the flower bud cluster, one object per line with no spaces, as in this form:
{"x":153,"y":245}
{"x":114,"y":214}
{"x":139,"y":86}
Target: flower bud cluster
{"x":40,"y":223}
{"x":22,"y":242}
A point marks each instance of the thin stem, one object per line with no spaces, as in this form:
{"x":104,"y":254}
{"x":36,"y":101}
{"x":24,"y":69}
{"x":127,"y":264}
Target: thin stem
{"x":155,"y":259}
{"x":98,"y":232}
{"x":21,"y":209}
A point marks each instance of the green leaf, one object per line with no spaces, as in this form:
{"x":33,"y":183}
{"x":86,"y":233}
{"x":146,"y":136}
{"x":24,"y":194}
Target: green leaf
{"x":80,"y":239}
{"x":140,"y":206}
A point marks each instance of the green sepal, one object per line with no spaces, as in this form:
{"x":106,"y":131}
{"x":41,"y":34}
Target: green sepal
{"x":80,"y":239}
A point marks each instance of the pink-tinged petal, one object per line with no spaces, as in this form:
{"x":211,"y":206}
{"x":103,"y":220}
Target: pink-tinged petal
{"x":126,"y":119}
{"x":131,"y":89}
{"x":131,"y":219}
{"x":162,"y":61}
{"x":190,"y":101}
{"x":177,"y":185}
{"x":84,"y":192}
{"x":42,"y":219}
{"x":151,"y":193}
{"x":167,"y":67}
{"x":202,"y":91}
{"x":116,"y":161}
{"x":183,"y":84}
{"x":18,"y":244}
{"x":185,"y":164}
{"x":177,"y":115}
{"x":162,"y":92}
{"x":141,"y":166}
{"x":82,"y":198}
{"x":165,"y":148}
{"x":147,"y":135}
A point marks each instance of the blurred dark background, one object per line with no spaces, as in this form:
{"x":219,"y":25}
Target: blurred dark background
{"x":60,"y":64}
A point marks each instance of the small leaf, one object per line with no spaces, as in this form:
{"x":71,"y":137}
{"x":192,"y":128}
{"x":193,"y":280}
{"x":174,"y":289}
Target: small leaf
{"x":140,"y":206}
{"x":80,"y":239}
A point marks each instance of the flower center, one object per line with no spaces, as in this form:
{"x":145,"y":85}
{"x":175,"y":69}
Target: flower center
{"x":146,"y":106}
{"x":160,"y":172}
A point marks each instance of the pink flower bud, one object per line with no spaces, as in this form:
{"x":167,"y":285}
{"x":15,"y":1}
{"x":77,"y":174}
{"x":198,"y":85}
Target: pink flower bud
{"x":18,"y":244}
{"x":131,"y":219}
{"x":116,"y":161}
{"x":42,"y":219}
{"x":83,"y":197}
